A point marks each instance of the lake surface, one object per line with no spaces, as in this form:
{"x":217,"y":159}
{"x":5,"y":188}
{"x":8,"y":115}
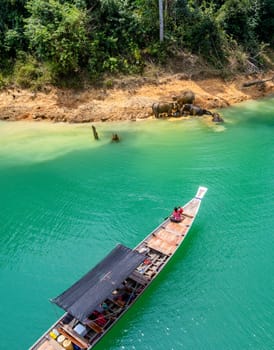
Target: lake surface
{"x":66,"y":200}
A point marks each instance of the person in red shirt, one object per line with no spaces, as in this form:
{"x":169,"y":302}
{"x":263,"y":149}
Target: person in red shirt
{"x":180,"y":210}
{"x":176,"y":215}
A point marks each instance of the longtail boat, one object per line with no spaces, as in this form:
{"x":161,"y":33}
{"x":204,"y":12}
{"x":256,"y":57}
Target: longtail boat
{"x":101,"y":297}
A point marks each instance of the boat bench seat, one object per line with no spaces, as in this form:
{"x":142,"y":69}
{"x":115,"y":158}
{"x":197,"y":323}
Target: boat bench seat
{"x":139,"y":278}
{"x":95,"y":327}
{"x":120,"y":303}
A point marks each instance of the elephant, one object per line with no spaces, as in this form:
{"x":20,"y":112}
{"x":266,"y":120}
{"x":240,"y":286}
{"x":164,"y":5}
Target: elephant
{"x":190,"y":109}
{"x":185,"y":97}
{"x":161,"y":108}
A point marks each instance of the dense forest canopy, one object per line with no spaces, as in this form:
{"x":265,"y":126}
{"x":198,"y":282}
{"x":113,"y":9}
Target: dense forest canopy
{"x":48,"y":40}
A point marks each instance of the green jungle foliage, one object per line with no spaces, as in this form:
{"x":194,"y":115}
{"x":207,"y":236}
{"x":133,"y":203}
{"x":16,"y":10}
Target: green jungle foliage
{"x":49,"y":40}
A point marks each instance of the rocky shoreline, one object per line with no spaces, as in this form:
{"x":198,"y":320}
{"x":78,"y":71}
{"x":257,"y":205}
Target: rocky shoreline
{"x":129,"y":100}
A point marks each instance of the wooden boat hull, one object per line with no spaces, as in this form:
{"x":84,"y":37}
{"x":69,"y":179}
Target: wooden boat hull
{"x":157,"y":249}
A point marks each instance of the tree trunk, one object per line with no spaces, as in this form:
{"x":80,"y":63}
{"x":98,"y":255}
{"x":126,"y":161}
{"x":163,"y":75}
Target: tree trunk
{"x":161,"y":20}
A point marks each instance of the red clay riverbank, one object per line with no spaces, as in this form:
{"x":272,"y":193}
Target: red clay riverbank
{"x":129,"y":100}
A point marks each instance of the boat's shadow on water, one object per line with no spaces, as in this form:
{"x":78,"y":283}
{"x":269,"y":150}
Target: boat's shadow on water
{"x":115,"y":339}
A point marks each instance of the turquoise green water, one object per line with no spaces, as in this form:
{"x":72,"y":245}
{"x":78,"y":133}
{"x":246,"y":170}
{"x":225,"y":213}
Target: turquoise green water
{"x":67,"y":200}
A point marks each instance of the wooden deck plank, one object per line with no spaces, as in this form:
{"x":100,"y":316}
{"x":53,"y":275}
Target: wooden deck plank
{"x":161,"y":246}
{"x":55,"y":345}
{"x":168,"y":237}
{"x":187,"y":221}
{"x":174,"y":226}
{"x":179,"y":228}
{"x":46,"y":345}
{"x":50,"y":344}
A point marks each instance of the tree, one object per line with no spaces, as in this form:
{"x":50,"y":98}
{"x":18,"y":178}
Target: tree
{"x":120,"y":33}
{"x":266,"y":25}
{"x":240,"y":19}
{"x":57,"y":32}
{"x":12,"y":38}
{"x":161,"y":20}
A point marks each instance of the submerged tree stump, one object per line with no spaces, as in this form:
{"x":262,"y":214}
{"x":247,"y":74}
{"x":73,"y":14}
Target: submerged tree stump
{"x":115,"y":138}
{"x":95,"y":134}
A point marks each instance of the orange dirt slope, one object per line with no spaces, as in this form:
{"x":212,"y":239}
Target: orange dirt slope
{"x":129,"y":100}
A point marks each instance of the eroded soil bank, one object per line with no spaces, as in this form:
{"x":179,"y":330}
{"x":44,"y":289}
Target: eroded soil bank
{"x":130,"y":99}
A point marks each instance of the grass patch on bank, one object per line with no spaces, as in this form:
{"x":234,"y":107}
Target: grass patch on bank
{"x":30,"y":74}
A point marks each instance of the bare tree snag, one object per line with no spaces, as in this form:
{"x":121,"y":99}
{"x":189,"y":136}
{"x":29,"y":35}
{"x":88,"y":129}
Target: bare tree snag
{"x":95,"y":134}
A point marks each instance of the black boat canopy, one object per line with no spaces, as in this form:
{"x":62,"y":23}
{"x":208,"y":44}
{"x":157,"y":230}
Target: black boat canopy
{"x":94,"y":287}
